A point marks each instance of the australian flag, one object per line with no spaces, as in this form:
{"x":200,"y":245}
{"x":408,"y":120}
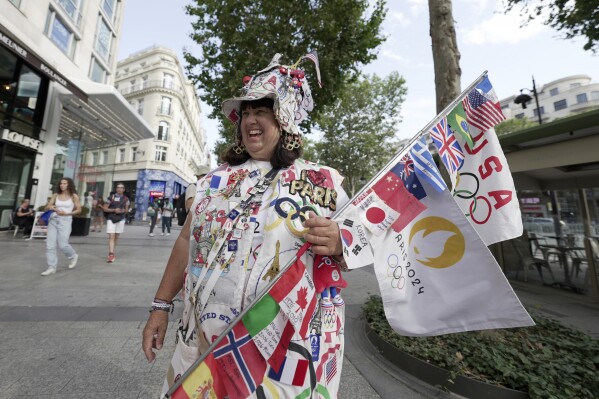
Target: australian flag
{"x":405,"y":169}
{"x":449,"y":149}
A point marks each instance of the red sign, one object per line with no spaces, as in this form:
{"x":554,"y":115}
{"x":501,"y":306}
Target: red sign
{"x":157,"y":194}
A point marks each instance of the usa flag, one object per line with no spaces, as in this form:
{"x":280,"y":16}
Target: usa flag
{"x":482,"y":107}
{"x":313,"y":56}
{"x":449,"y":148}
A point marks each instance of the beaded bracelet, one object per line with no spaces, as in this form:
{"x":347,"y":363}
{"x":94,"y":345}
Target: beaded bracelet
{"x":159,"y":304}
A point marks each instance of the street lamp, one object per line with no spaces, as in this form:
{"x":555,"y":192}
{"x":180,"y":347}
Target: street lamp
{"x":523,"y":99}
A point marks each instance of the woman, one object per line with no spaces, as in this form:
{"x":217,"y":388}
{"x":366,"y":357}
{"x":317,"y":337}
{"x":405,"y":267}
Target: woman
{"x":65,"y":203}
{"x":98,"y":212}
{"x":153,"y":210}
{"x":24,"y":217}
{"x":257,"y":202}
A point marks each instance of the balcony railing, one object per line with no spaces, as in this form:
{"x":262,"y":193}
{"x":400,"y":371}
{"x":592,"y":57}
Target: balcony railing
{"x":153,"y":84}
{"x":161,"y":111}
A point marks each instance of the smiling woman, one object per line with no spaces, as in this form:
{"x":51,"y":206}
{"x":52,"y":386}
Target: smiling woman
{"x":255,"y":214}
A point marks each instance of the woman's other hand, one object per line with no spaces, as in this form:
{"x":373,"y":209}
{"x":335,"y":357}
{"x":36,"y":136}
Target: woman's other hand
{"x":324,"y":235}
{"x":154,"y":333}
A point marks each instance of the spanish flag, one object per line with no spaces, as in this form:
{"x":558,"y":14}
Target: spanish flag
{"x":203,"y":382}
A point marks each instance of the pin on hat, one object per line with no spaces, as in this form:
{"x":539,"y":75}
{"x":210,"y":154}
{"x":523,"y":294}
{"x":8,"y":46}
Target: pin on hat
{"x":286,"y":85}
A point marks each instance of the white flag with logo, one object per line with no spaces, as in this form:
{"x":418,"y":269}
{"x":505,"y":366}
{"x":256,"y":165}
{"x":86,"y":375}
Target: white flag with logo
{"x":437,"y":276}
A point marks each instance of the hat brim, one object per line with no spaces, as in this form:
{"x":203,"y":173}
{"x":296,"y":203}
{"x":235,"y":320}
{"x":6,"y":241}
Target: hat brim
{"x":231,"y":107}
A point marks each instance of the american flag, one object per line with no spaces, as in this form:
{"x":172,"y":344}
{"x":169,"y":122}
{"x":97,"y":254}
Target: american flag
{"x":482,"y":111}
{"x":449,"y":148}
{"x":331,"y":368}
{"x":313,"y":56}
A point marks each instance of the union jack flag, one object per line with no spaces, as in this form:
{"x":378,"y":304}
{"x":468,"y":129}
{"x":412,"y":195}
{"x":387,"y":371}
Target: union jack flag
{"x":449,"y":148}
{"x":408,"y":166}
{"x":482,"y":108}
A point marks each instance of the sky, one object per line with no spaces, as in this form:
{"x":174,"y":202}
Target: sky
{"x":487,"y":40}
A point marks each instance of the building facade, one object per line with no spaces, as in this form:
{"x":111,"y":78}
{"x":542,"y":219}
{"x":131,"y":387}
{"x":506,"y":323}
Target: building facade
{"x":57,"y":59}
{"x":560,"y":98}
{"x":153,"y":82}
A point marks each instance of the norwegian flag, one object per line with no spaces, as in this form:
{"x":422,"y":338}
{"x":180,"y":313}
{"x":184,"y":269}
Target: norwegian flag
{"x":449,"y":148}
{"x":313,"y":56}
{"x":482,"y":107}
{"x":241,"y":365}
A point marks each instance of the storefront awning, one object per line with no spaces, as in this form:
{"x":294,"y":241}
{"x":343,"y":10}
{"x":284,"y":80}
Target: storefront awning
{"x":558,"y":155}
{"x":106,"y":118}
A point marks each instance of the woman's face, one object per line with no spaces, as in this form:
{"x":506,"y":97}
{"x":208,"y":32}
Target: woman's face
{"x":63,"y":185}
{"x":259,"y":132}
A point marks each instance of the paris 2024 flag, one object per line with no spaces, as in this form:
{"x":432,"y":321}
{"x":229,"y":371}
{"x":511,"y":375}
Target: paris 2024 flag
{"x":435,"y":274}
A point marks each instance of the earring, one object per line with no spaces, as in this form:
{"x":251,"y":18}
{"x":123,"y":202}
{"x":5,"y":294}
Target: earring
{"x":239,"y":148}
{"x":291,"y":141}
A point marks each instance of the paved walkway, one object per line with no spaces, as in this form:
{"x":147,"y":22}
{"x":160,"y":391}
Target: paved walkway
{"x":77,"y":333}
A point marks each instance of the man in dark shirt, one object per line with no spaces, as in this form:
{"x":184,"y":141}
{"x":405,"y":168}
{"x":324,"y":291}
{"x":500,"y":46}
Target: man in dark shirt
{"x":24,"y":217}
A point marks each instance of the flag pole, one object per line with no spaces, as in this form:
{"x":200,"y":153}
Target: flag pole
{"x":405,"y":148}
{"x":304,"y":247}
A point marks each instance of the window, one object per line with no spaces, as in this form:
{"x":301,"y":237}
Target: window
{"x":103,"y":39}
{"x":581,"y":98}
{"x":121,"y":155}
{"x":97,"y":73}
{"x":104,"y":157}
{"x":554,"y":92}
{"x":145,"y":82}
{"x":60,"y":34}
{"x":595,"y":95}
{"x":536,"y":111}
{"x":160,"y":153}
{"x":108,"y":7}
{"x":71,"y":8}
{"x":93,"y":159}
{"x":140,"y":106}
{"x":163,"y":130}
{"x":167,"y":81}
{"x":165,"y":106}
{"x":561,"y":104}
{"x":133,"y":154}
{"x":132,"y":82}
{"x":519,"y":116}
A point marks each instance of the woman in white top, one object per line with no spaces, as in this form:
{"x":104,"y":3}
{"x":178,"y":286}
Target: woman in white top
{"x":65,"y":203}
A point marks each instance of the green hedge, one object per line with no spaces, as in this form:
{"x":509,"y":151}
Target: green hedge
{"x":549,"y":361}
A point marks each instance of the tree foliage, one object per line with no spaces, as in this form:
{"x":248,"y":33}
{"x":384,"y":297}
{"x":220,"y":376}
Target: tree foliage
{"x":359,"y":128}
{"x":239,"y":37}
{"x":573,"y":18}
{"x":513,"y":125}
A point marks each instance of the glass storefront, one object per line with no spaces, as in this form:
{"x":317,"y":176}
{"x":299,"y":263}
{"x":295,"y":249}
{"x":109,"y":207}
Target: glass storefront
{"x":23,"y":94}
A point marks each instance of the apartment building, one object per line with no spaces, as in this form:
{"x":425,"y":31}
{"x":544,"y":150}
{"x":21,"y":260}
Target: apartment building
{"x":560,"y":98}
{"x":57,"y":100}
{"x":154,"y":83}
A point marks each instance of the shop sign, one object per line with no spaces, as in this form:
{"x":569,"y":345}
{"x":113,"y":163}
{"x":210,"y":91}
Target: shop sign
{"x":157,"y":194}
{"x":21,"y":139}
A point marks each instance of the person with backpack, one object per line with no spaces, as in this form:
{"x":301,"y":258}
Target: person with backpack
{"x":115,"y":208}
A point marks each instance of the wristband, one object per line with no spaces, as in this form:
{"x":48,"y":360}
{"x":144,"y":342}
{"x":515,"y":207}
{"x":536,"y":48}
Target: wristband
{"x":341,"y":262}
{"x":164,"y":306}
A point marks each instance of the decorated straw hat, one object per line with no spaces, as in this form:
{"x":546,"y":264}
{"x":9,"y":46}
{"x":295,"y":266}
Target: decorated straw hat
{"x":286,"y":85}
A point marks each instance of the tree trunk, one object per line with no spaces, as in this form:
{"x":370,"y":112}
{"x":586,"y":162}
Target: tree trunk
{"x":446,"y":56}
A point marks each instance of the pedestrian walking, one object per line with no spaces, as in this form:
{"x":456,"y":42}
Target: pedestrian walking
{"x":98,"y":214}
{"x":63,"y":204}
{"x":153,"y":215}
{"x":167,"y":217}
{"x":116,"y":207}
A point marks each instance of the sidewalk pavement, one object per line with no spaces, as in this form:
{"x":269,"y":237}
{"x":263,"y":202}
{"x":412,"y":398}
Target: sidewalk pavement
{"x":77,"y":333}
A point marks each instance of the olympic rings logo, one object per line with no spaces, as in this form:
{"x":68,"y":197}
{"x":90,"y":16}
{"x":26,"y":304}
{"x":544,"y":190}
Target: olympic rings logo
{"x":466,"y":195}
{"x":395,"y":272}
